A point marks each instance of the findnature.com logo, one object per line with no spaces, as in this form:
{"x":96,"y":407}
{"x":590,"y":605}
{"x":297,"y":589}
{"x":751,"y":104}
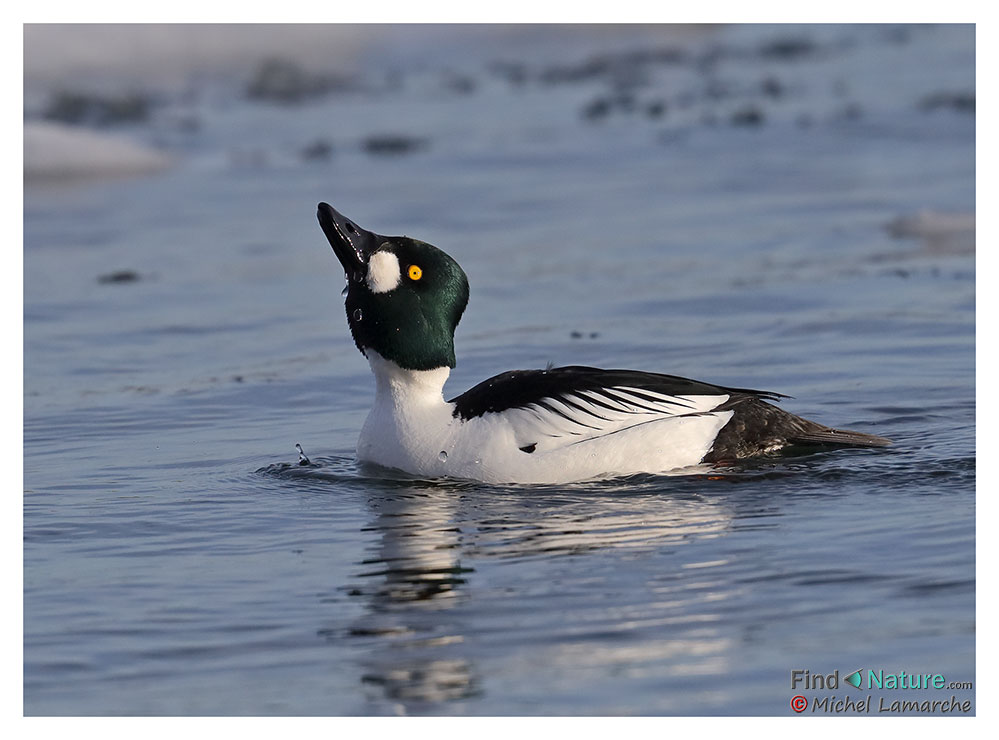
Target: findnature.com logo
{"x":871,"y":679}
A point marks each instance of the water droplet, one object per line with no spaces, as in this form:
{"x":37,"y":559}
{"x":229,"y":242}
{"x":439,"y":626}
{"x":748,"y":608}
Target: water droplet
{"x":443,"y":456}
{"x":343,"y":293}
{"x":302,"y":458}
{"x":358,"y":315}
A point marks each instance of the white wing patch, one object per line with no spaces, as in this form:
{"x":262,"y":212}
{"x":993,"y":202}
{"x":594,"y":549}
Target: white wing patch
{"x":556,"y":422}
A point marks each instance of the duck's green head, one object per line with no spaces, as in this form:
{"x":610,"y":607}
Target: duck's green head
{"x":404,"y":297}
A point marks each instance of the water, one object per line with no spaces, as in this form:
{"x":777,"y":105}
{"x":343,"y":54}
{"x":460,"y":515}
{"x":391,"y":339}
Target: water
{"x":179,"y":560}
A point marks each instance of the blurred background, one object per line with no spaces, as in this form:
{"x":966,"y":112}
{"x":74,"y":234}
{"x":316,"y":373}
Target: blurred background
{"x":781,"y":207}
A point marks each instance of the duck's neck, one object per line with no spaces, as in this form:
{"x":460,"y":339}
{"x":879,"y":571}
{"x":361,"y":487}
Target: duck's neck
{"x":410,"y":423}
{"x":402,"y":388}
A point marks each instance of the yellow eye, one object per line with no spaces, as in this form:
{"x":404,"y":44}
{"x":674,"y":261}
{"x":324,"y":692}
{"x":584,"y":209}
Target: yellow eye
{"x":415,"y":273}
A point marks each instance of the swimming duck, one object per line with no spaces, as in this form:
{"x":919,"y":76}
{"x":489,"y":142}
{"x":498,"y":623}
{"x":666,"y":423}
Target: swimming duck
{"x":404,"y":299}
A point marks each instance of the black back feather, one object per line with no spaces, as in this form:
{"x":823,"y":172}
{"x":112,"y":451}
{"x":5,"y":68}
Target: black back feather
{"x":521,"y":388}
{"x":756,"y":427}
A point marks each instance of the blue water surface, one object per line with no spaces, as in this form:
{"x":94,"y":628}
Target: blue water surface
{"x":786,"y":208}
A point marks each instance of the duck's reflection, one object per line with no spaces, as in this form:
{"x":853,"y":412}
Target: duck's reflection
{"x":411,"y":583}
{"x":417,"y":555}
{"x":422,"y":622}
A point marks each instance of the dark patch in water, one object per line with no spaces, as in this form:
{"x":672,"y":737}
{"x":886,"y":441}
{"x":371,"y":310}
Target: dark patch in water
{"x":772,"y":87}
{"x":458,"y":83}
{"x":119,"y":276}
{"x":788,"y":49}
{"x":284,"y":81}
{"x":596,"y":109}
{"x":319,"y":150}
{"x":97,"y":110}
{"x":515,"y":73}
{"x":931,"y":588}
{"x":750,"y":115}
{"x":655,"y":109}
{"x":962,"y":102}
{"x":393,"y":145}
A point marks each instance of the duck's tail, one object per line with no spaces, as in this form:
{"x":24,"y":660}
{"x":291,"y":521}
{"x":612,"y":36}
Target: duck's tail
{"x":758,"y":427}
{"x":820,"y":435}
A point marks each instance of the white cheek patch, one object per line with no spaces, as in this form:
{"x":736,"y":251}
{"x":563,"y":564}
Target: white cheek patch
{"x":383,"y":272}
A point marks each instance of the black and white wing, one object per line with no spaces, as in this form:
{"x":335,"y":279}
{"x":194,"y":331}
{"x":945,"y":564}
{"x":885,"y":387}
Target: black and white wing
{"x":552,"y":408}
{"x":549,"y":409}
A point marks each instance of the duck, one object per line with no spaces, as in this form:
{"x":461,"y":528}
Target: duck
{"x":404,"y":299}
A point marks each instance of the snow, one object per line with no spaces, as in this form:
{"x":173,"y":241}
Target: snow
{"x":57,"y":151}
